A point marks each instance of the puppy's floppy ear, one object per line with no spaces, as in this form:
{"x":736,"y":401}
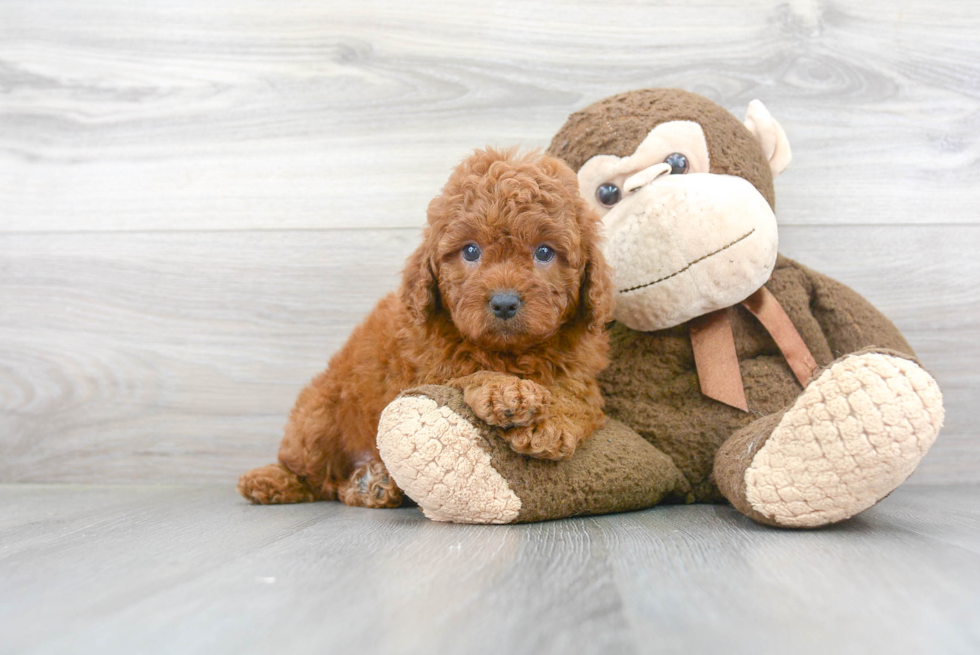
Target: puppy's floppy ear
{"x":596,"y":294}
{"x":420,"y":287}
{"x":420,"y":290}
{"x":596,"y":290}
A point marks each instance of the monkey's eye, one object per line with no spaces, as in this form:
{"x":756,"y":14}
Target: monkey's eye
{"x":544,"y":254}
{"x":471,"y":252}
{"x":678,"y":163}
{"x":608,"y":194}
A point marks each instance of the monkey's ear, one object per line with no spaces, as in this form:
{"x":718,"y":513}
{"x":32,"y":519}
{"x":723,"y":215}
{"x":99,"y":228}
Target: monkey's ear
{"x":420,"y":289}
{"x":770,"y":135}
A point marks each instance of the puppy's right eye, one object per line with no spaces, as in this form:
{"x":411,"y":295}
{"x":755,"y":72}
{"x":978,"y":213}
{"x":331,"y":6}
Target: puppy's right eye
{"x":471,"y":252}
{"x":608,"y":194}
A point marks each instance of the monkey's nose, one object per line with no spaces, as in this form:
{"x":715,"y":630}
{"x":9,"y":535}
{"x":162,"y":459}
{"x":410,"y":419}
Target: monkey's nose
{"x":646,"y":176}
{"x":504,"y":304}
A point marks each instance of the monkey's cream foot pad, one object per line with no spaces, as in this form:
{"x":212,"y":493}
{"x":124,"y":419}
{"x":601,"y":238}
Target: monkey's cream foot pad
{"x":856,"y":433}
{"x":440,"y":460}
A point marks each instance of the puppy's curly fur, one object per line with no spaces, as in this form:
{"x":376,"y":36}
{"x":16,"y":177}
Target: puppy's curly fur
{"x":531,"y":374}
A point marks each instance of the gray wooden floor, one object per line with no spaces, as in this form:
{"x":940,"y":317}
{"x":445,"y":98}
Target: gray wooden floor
{"x":193,"y":569}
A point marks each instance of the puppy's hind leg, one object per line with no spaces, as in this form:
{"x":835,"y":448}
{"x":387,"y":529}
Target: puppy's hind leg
{"x":369,"y":485}
{"x":311,"y":461}
{"x":274,"y":484}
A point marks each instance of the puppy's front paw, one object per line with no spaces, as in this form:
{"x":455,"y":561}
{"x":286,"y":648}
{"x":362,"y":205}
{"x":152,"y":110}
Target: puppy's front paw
{"x":507,"y":401}
{"x":547,"y":440}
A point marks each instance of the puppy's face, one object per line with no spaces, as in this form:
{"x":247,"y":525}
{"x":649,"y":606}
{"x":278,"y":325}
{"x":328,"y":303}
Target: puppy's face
{"x":509,"y":278}
{"x":511,"y":252}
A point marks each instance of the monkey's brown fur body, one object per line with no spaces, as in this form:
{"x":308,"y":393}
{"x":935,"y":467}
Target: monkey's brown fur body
{"x":533,"y":375}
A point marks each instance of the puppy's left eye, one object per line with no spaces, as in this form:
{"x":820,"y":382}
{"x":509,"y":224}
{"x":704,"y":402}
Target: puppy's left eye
{"x":471,"y":252}
{"x":544,"y":254}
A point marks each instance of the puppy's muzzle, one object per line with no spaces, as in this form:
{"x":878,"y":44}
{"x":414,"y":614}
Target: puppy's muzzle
{"x":504,"y":304}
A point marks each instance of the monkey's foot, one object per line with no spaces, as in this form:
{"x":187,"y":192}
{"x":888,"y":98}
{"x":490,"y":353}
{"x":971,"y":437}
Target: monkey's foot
{"x":856,"y":433}
{"x":370,"y":486}
{"x":441,"y":461}
{"x":457,"y":468}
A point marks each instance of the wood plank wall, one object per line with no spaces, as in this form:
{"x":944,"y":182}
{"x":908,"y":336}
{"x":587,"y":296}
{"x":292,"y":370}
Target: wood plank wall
{"x":200,"y":198}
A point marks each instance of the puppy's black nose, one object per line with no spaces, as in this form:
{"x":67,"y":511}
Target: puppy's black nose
{"x":504,"y":304}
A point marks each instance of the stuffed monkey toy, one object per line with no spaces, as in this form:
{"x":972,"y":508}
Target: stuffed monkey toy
{"x":736,"y":374}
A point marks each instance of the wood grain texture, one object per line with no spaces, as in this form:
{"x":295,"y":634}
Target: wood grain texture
{"x":235,"y":114}
{"x":90,"y":569}
{"x":176,"y":356}
{"x":199,"y":200}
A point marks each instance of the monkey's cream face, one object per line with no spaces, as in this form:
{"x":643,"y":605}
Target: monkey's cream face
{"x":682,"y":241}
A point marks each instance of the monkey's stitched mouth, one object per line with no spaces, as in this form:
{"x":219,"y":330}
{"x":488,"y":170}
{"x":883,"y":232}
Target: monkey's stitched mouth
{"x":690,"y":264}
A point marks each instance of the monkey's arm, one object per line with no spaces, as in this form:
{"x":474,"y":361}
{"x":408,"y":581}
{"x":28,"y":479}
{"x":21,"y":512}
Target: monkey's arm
{"x":849,"y":322}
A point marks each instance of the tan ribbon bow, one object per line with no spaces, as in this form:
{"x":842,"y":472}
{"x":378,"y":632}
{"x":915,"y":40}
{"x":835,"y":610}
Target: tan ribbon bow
{"x":717,"y":361}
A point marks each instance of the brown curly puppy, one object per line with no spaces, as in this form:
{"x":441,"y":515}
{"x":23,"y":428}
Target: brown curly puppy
{"x":507,"y":299}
